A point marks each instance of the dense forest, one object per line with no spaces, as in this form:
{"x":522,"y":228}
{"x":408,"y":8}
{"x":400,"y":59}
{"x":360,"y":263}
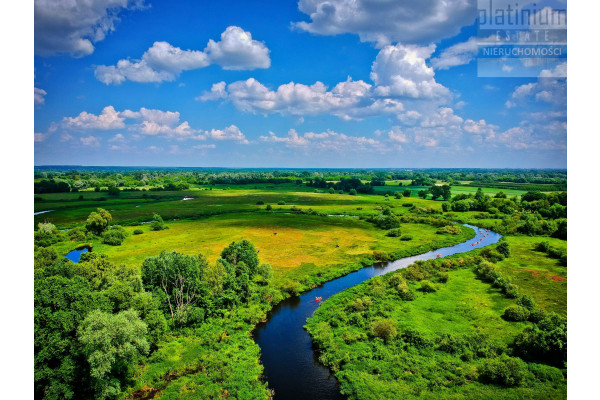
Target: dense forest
{"x":53,"y":180}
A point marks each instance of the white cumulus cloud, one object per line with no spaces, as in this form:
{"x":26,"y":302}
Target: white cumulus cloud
{"x":388,"y":21}
{"x":238,"y":51}
{"x":231,"y":132}
{"x":164,"y":62}
{"x":109,"y":119}
{"x":73,"y":26}
{"x":402,"y":71}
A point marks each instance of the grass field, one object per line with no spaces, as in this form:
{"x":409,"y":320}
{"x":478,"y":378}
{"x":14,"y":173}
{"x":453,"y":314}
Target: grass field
{"x":429,"y":357}
{"x":464,"y":305}
{"x":131,"y":207}
{"x":297,"y":246}
{"x":489,"y":191}
{"x":304,"y":250}
{"x":535,"y":273}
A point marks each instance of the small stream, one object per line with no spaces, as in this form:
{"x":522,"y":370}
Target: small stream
{"x":291,"y":366}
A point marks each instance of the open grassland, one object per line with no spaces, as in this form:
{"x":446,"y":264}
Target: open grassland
{"x":313,"y":244}
{"x":488,"y":191}
{"x":438,"y":346}
{"x":132,"y":207}
{"x":537,"y":274}
{"x":464,"y":305}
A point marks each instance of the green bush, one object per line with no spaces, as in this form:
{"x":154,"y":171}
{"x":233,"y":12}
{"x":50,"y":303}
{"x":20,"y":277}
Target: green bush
{"x":543,"y":246}
{"x":427,"y":287}
{"x":352,"y":192}
{"x":504,"y":249}
{"x":265,"y":272}
{"x":415,"y":339}
{"x":114,"y":236}
{"x":385,"y":329}
{"x":260,"y":203}
{"x":77,"y":234}
{"x":281,"y":203}
{"x":394,"y":233}
{"x":505,"y":371}
{"x":516,"y":313}
{"x":527,"y":302}
{"x":450,"y":229}
{"x":380,"y":256}
{"x":158,"y":224}
{"x":443,"y":277}
{"x":292,"y":287}
{"x":269,"y":207}
{"x":546,"y":341}
{"x":491,"y":254}
{"x":138,"y":232}
{"x":386,"y":221}
{"x":406,"y":238}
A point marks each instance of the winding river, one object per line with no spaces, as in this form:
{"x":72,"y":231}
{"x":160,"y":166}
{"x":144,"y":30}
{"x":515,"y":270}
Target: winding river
{"x":291,"y":366}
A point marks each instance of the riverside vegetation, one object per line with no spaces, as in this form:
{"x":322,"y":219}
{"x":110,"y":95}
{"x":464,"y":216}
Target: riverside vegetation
{"x":164,"y":304}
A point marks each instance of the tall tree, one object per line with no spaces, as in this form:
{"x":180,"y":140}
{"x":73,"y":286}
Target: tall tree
{"x":242,"y":251}
{"x":111,"y":344}
{"x":179,"y":277}
{"x":98,"y":221}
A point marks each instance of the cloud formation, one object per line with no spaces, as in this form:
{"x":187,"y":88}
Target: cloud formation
{"x":549,"y":88}
{"x":455,"y":55}
{"x":144,"y":122}
{"x":402,"y":71}
{"x":38,"y":96}
{"x":164,"y":62}
{"x":388,"y":21}
{"x":400,"y":75}
{"x":326,"y":141}
{"x":73,"y":26}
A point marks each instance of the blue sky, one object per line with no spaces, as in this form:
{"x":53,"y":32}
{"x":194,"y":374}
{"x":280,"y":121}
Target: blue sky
{"x":283,"y":84}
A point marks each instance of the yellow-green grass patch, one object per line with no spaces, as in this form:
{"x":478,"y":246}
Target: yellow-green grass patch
{"x":286,"y":241}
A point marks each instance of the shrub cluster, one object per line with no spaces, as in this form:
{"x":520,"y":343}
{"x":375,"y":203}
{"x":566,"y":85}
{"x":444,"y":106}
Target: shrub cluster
{"x":516,"y":314}
{"x":394,"y":233}
{"x":545,"y":341}
{"x":505,"y":371}
{"x":552,"y":252}
{"x":489,"y":273}
{"x":450,"y":229}
{"x":114,"y":236}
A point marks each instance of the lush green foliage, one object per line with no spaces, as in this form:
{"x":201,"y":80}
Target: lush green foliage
{"x":114,"y":236}
{"x":112,"y":343}
{"x":204,"y":348}
{"x":450,"y":342}
{"x":178,"y":280}
{"x":98,"y":221}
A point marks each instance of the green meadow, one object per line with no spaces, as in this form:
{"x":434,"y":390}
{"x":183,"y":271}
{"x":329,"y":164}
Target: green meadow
{"x":71,"y":209}
{"x":450,"y":342}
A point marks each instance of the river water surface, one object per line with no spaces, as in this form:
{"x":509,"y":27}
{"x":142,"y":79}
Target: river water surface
{"x":291,"y":367}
